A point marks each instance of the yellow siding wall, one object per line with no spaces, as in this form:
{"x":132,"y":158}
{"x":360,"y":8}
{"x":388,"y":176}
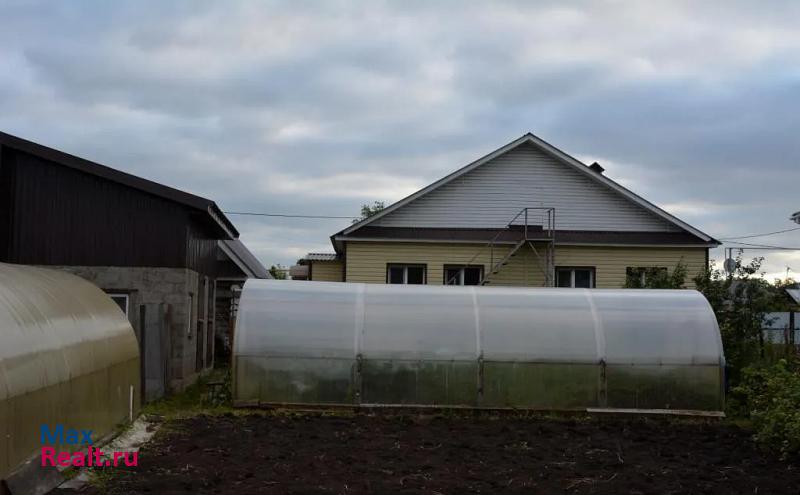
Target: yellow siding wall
{"x":366,"y":261}
{"x":610,"y":262}
{"x":327,"y":271}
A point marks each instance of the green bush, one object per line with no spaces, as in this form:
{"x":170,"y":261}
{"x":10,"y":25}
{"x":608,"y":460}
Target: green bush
{"x":772,"y":396}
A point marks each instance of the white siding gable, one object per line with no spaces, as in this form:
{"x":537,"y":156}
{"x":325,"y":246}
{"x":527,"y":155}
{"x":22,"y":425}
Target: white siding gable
{"x":491,"y":194}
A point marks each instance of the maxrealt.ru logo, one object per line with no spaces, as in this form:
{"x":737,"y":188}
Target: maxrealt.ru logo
{"x":80,"y":439}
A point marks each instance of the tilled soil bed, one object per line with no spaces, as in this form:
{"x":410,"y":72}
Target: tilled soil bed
{"x":449,"y":455}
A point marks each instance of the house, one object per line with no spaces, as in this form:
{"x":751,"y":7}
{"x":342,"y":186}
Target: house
{"x":783,"y":327}
{"x":154,"y":249}
{"x":526,"y":214}
{"x":328,"y":267}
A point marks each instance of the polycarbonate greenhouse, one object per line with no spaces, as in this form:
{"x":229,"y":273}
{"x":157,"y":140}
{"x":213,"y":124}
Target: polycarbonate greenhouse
{"x":499,"y":347}
{"x":67,"y":356}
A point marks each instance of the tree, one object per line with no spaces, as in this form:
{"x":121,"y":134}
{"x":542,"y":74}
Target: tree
{"x":277,"y":272}
{"x":367,"y":210}
{"x":740,"y":302}
{"x":781,"y":285}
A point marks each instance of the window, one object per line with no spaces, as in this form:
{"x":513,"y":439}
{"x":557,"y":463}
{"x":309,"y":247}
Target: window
{"x":463,"y":275}
{"x":121,"y":300}
{"x":405,"y":274}
{"x":639,"y":276}
{"x":575,"y":277}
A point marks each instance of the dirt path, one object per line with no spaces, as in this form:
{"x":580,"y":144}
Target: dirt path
{"x":363,"y":454}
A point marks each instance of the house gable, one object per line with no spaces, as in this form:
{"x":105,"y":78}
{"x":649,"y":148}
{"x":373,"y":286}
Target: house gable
{"x":490,"y":196}
{"x":528,"y":172}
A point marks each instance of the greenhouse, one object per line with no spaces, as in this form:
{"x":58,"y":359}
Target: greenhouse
{"x":68,"y":356}
{"x":326,"y":343}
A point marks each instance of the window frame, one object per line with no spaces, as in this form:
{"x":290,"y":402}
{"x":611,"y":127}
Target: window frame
{"x":405,"y":267}
{"x":642,"y":272}
{"x":115,"y":293}
{"x":592,"y":276}
{"x":462,"y":274}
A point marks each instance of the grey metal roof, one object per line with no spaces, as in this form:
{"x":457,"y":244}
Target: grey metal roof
{"x":794,"y":294}
{"x":321,"y":257}
{"x":243,"y":258}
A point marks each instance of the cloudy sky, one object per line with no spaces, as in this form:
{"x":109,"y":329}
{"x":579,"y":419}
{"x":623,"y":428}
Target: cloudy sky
{"x":316,"y":108}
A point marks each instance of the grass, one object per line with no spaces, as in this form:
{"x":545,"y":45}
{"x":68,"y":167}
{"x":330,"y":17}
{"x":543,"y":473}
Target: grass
{"x":195,"y":399}
{"x":198,"y":400}
{"x":70,"y":473}
{"x":101,"y":478}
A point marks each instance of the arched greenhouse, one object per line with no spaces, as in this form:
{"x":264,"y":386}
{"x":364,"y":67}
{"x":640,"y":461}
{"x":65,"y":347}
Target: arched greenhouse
{"x":478,"y":347}
{"x":67,"y":356}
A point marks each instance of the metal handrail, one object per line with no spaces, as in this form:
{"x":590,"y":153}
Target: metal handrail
{"x":524,"y":211}
{"x":551,"y":214}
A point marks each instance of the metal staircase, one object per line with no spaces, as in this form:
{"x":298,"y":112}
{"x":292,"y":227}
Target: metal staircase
{"x":541,"y":233}
{"x":504,"y":261}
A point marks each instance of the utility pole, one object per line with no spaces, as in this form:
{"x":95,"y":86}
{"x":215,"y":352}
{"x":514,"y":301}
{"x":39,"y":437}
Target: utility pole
{"x":795,"y":217}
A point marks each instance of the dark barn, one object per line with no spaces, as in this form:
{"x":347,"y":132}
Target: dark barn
{"x":154,"y":249}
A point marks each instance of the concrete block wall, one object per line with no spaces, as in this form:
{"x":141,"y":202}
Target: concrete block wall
{"x":175,"y":288}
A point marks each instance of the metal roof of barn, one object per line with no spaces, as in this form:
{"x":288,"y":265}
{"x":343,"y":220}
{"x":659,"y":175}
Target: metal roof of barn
{"x":243,"y":258}
{"x":196,"y":202}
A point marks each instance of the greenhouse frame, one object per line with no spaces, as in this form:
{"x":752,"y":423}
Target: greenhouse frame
{"x":328,"y":343}
{"x":68,"y":356}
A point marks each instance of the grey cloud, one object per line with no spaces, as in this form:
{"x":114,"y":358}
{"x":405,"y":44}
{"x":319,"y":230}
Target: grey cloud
{"x":694,"y":104}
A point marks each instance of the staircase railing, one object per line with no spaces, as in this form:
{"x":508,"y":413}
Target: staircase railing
{"x":548,"y":236}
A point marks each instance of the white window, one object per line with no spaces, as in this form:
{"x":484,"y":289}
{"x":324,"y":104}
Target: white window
{"x":462,"y":275}
{"x":121,"y":300}
{"x":406,"y":274}
{"x":575,"y":277}
{"x":637,"y":276}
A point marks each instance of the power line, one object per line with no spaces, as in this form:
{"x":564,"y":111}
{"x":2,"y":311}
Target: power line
{"x":286,"y":215}
{"x":282,"y":215}
{"x":758,"y":235}
{"x":766,"y":246}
